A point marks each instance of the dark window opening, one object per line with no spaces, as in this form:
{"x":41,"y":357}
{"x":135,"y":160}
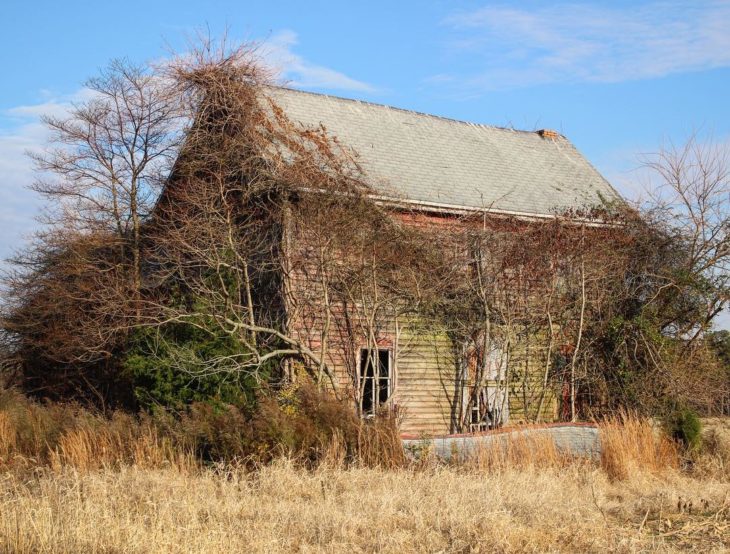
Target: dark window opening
{"x":375,"y":379}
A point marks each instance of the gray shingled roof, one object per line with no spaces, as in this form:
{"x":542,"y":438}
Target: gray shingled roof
{"x":434,"y":160}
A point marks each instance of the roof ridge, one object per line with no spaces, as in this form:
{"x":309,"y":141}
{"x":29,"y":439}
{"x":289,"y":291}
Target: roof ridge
{"x":413,"y":112}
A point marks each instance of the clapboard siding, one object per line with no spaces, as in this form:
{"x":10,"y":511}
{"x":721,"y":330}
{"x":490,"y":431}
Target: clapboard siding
{"x":425,"y":369}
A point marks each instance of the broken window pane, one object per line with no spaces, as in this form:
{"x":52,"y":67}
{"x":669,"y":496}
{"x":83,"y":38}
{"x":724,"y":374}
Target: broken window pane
{"x":375,"y":379}
{"x":489,"y":409}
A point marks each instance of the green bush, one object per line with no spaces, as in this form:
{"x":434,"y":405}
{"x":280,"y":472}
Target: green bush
{"x":165,"y":369}
{"x":684,"y":426}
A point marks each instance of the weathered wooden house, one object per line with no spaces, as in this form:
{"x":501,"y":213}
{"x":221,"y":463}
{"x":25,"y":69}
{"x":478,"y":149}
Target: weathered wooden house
{"x":425,"y":170}
{"x":440,"y":168}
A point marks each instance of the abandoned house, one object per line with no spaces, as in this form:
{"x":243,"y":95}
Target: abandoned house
{"x":424,"y":169}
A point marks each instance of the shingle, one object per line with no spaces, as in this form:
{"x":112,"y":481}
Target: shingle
{"x":430,"y":159}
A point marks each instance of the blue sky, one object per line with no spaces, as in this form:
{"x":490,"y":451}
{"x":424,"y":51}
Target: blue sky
{"x":617,"y":78}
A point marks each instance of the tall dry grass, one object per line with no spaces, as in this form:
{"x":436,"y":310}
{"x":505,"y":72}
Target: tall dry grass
{"x":629,"y":443}
{"x":520,"y":451}
{"x":71,"y":481}
{"x":283,"y":507}
{"x":91,"y":448}
{"x":59,"y":436}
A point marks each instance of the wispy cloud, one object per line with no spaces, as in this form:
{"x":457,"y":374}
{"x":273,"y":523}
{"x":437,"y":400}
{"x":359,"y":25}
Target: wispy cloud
{"x":278,"y":51}
{"x":21,"y":131}
{"x":18,"y":205}
{"x":569,"y":42}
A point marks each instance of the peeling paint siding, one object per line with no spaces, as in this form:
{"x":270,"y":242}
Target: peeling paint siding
{"x":425,"y":369}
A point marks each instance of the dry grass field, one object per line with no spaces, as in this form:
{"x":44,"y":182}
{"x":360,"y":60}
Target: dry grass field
{"x":285,"y":509}
{"x":99,"y":490}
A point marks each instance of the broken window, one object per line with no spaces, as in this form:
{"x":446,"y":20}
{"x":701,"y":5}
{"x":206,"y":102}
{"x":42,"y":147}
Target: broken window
{"x":489,"y":409}
{"x":375,"y":379}
{"x":484,"y":398}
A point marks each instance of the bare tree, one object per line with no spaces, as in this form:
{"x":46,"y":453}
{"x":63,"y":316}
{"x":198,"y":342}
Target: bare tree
{"x":111,"y":155}
{"x":100,"y":176}
{"x":691,"y":203}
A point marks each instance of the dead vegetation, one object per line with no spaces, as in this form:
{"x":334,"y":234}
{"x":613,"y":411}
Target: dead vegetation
{"x":630,"y":444}
{"x":283,"y":508}
{"x":73,"y":481}
{"x":308,"y":427}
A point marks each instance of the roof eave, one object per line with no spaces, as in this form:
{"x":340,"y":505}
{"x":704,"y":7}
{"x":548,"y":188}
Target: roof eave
{"x":456,"y":210}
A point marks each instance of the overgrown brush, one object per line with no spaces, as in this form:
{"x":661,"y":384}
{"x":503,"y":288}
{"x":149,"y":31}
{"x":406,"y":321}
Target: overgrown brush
{"x":310,"y":427}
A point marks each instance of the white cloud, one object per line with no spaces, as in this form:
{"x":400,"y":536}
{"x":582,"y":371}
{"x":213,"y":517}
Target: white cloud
{"x":18,"y":205}
{"x":278,"y":52}
{"x":514,"y":47}
{"x":21,"y":131}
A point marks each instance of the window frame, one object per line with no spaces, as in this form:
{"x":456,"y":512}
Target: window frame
{"x":365,"y":358}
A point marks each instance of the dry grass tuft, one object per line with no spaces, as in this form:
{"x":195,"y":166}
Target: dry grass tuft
{"x":712,"y":461}
{"x":630,"y":444}
{"x":379,"y":444}
{"x":7,"y":436}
